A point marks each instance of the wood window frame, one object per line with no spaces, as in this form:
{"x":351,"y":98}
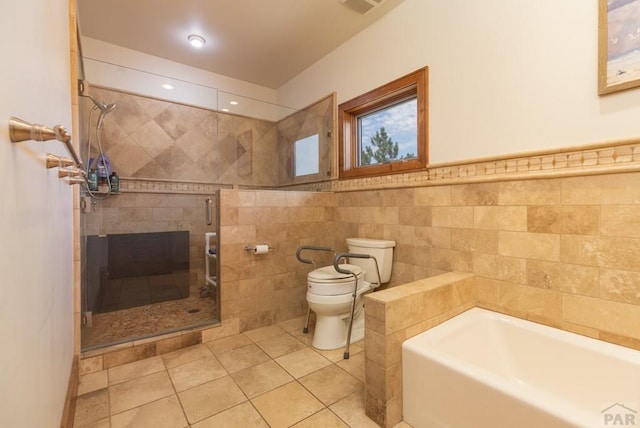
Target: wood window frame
{"x":413,"y":84}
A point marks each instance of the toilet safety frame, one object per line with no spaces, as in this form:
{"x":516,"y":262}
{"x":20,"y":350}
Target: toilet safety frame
{"x":336,"y":266}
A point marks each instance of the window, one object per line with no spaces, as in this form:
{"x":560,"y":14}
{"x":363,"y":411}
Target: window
{"x":306,"y":156}
{"x":385,"y":130}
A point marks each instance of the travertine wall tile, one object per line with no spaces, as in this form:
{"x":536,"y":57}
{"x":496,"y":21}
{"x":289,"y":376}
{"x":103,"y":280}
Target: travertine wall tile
{"x":461,"y":217}
{"x":532,"y":301}
{"x":568,"y":219}
{"x":574,"y":279}
{"x":530,"y":192}
{"x":432,"y":237}
{"x":484,"y":194}
{"x":620,"y":220}
{"x":620,"y":285}
{"x":618,"y":318}
{"x":432,"y":196}
{"x":509,"y":269}
{"x":541,"y":246}
{"x":616,"y":189}
{"x":512,"y":218}
{"x":260,"y":290}
{"x":475,"y":240}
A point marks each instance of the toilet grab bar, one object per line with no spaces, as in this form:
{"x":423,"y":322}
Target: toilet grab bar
{"x":301,"y":248}
{"x":336,"y":266}
{"x":310,"y":247}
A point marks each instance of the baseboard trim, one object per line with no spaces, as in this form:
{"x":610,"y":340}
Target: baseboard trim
{"x":69,"y":410}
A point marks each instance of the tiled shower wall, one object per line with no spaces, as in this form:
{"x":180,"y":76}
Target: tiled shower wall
{"x":560,"y":251}
{"x":153,"y":139}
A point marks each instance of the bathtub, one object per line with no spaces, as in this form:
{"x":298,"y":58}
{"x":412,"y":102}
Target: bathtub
{"x":484,"y":369}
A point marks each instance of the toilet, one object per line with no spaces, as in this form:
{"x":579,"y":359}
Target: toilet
{"x":330,"y":293}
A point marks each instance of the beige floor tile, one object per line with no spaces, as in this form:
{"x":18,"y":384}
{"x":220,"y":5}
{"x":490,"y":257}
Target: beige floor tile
{"x":323,"y":419}
{"x":93,"y":382}
{"x":102,"y":423}
{"x":280,"y":345}
{"x":402,"y":424}
{"x":242,"y":415}
{"x":261,"y":378}
{"x":336,"y":355}
{"x":305,"y":338}
{"x":210,"y":398}
{"x":135,"y":369}
{"x":330,"y":384}
{"x":241,"y":358}
{"x":228,"y":343}
{"x":287,"y":405}
{"x":351,"y":410}
{"x":196,"y":373}
{"x":354,"y":365}
{"x":301,"y":363}
{"x":263,"y":333}
{"x":164,"y":413}
{"x":295,"y":324}
{"x":136,"y":392}
{"x":185,"y":355}
{"x":91,"y":407}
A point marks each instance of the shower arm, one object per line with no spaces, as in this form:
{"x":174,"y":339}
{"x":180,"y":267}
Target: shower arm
{"x":20,"y":130}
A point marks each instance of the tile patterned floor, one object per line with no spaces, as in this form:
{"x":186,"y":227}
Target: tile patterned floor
{"x":143,"y":321}
{"x":268,"y":377}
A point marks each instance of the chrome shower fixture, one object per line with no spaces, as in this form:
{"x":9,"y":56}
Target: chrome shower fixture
{"x":104,"y":109}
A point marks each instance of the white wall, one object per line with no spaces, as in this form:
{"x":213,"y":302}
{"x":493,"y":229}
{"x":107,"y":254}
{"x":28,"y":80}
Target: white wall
{"x":506,"y":76}
{"x":36,"y":251}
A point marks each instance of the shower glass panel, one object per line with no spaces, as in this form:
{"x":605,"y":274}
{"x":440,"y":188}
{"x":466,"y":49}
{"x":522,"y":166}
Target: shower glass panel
{"x":143,"y":264}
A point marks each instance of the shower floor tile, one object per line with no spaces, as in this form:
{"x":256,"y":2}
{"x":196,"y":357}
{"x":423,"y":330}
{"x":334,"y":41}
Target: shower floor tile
{"x":232,"y":382}
{"x":143,"y":321}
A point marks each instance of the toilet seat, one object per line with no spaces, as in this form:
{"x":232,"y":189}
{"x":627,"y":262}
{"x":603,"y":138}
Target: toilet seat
{"x":337,"y":299}
{"x":326,"y":281}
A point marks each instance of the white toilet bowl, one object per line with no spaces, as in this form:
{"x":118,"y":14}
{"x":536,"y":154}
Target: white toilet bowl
{"x":332,"y":318}
{"x":330,"y":297}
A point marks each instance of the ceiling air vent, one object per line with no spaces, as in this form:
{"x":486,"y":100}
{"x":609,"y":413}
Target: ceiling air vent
{"x":361,"y":6}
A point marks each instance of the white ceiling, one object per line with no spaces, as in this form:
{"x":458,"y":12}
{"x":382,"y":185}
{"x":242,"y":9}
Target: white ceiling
{"x":266,"y":42}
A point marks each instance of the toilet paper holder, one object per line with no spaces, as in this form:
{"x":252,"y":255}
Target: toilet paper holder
{"x":253,"y":248}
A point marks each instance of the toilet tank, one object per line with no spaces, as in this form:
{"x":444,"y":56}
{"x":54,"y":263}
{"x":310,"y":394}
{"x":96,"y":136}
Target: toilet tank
{"x":382,"y":250}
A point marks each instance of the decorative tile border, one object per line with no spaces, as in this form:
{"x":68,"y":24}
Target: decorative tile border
{"x":142,"y":185}
{"x":602,"y":158}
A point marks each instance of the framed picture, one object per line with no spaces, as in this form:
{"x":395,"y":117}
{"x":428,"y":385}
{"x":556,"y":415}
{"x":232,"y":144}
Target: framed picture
{"x":618,"y":45}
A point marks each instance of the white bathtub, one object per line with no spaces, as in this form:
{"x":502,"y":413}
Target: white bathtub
{"x":484,"y":369}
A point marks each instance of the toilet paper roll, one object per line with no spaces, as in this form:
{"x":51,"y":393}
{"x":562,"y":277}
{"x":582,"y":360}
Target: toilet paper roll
{"x":261,"y":249}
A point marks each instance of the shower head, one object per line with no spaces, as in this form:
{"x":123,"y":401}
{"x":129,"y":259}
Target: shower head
{"x":104,"y":108}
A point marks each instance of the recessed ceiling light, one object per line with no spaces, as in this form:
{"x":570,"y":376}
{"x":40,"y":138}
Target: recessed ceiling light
{"x":167,"y":86}
{"x":233,"y":103}
{"x":225,"y":110}
{"x":196,"y":41}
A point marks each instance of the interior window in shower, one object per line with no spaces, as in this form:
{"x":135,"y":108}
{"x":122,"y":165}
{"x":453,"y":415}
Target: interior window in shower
{"x":306,"y":154}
